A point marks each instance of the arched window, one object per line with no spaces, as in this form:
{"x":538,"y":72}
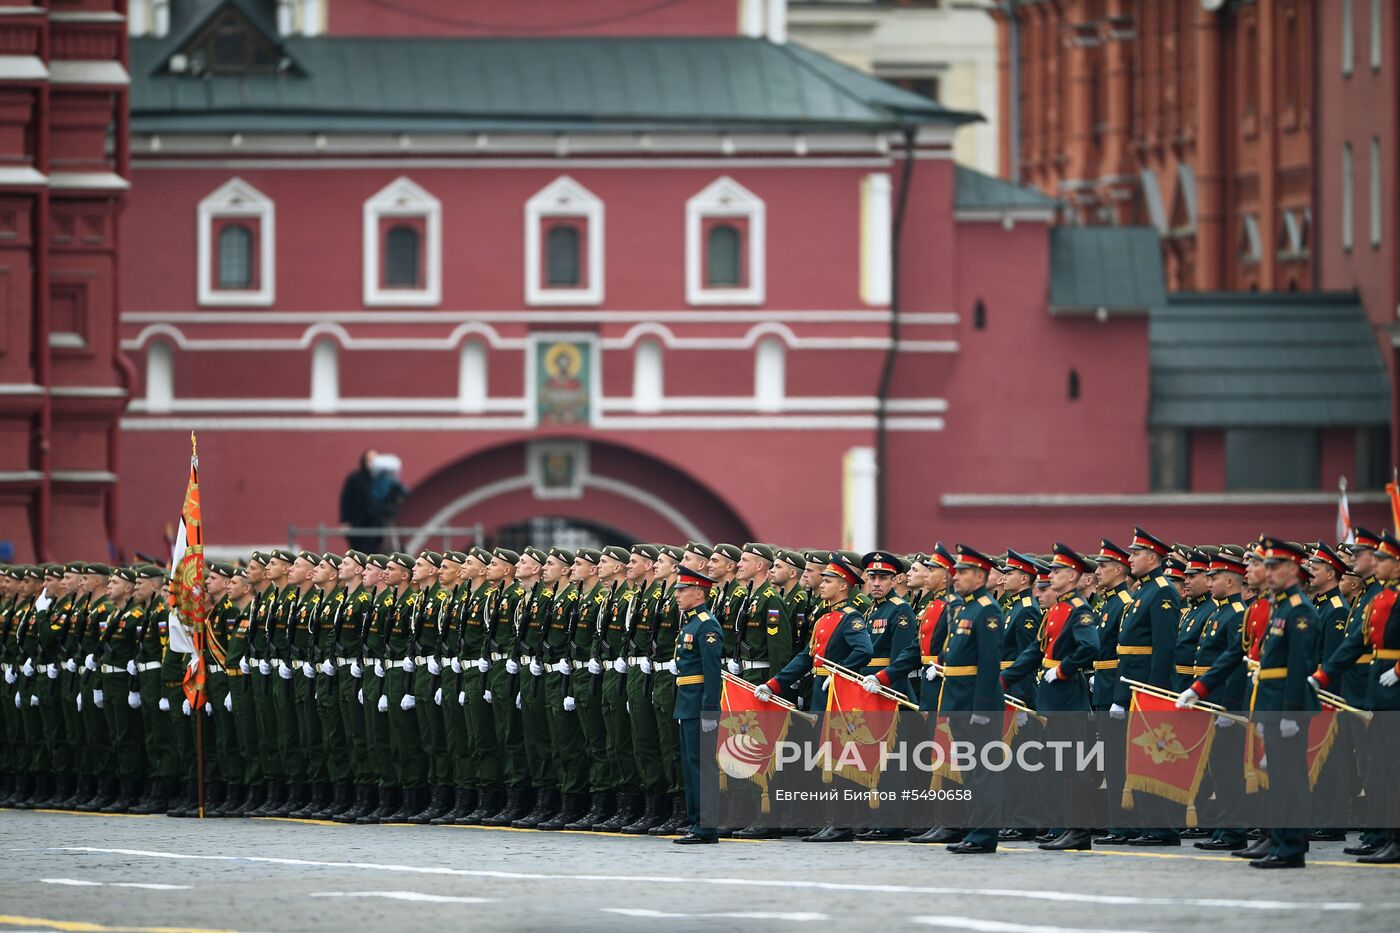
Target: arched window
{"x":770,"y":374}
{"x":160,"y":381}
{"x":401,"y":257}
{"x":235,"y":257}
{"x":722,"y":262}
{"x":648,"y":376}
{"x":562,"y":256}
{"x":471,"y":377}
{"x":325,"y":375}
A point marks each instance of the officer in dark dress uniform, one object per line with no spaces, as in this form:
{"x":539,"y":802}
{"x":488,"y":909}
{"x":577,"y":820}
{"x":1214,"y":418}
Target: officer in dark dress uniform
{"x":699,"y":648}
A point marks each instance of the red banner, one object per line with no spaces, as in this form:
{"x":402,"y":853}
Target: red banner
{"x":748,"y":736}
{"x":1322,"y":735}
{"x":858,"y":727}
{"x":1168,"y":749}
{"x":187,"y":581}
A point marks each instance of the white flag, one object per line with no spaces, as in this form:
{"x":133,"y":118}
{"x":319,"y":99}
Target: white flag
{"x":1345,"y":534}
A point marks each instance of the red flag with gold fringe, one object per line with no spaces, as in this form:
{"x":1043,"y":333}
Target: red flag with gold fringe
{"x":857,"y":729}
{"x":748,"y":736}
{"x":1322,"y":735}
{"x":1168,"y":749}
{"x":187,"y":580}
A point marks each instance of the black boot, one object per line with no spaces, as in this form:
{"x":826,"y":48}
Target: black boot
{"x":572,"y":810}
{"x":437,"y":805}
{"x":388,"y":803}
{"x":629,"y":807}
{"x":1069,"y":840}
{"x":413,"y":800}
{"x":358,"y":807}
{"x":154,"y":801}
{"x":513,"y":810}
{"x":940,"y":835}
{"x":1260,"y":848}
{"x":488,"y":805}
{"x":7,"y":790}
{"x":214,"y":794}
{"x":648,"y":818}
{"x":82,"y":790}
{"x":234,"y":795}
{"x":275,"y":796}
{"x":257,"y":794}
{"x":342,"y":799}
{"x":126,"y":799}
{"x":461,"y":803}
{"x":106,"y":792}
{"x":185,"y":805}
{"x":603,"y":807}
{"x":39,"y":791}
{"x":676,"y":822}
{"x":311,"y":802}
{"x":546,"y":805}
{"x":297,"y":796}
{"x":63,"y":787}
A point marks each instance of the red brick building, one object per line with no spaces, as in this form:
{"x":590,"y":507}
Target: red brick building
{"x":64,"y":173}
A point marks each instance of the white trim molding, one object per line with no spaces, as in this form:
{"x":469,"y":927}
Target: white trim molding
{"x":403,"y":198}
{"x":564,"y":197}
{"x":876,"y":217}
{"x":237,"y":199}
{"x":1138,"y":500}
{"x":724,"y":197}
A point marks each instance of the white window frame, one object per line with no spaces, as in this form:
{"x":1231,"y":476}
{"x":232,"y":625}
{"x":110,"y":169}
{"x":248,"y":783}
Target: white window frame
{"x":403,"y":198}
{"x":1348,"y":196}
{"x":235,"y":199}
{"x":1348,"y":39}
{"x":722,"y":198}
{"x":1376,"y":35}
{"x":563,"y":197}
{"x":1374,"y":194}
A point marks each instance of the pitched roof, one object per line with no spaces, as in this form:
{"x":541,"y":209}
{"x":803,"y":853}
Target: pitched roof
{"x":976,"y":191}
{"x":1114,"y":268}
{"x":1288,"y":359}
{"x":579,"y":84}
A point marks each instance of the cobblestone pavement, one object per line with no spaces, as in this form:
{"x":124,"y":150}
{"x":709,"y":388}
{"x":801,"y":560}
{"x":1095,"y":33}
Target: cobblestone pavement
{"x":81,"y":872}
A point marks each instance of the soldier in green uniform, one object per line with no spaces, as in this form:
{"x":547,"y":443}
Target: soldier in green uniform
{"x":503,"y":685}
{"x":449,"y":693}
{"x":34,"y":786}
{"x":1325,"y":570}
{"x":348,"y":683}
{"x":374,"y":700}
{"x":45,"y":629}
{"x":1114,"y":599}
{"x":224,"y":747}
{"x":261,"y":680}
{"x":534,"y":704}
{"x":623,"y":605}
{"x":331,"y":788}
{"x":646,"y":747}
{"x":484,"y":767}
{"x":97,"y":744}
{"x":729,"y":592}
{"x":585,"y":700}
{"x":287,"y":590}
{"x":161,"y":764}
{"x":1195,"y":609}
{"x":301,"y":725}
{"x":238,"y":628}
{"x":562,"y":666}
{"x":398,"y":698}
{"x":427,"y":650}
{"x":119,"y":648}
{"x":663,"y":686}
{"x":12,"y":776}
{"x":699,"y":648}
{"x":69,"y":613}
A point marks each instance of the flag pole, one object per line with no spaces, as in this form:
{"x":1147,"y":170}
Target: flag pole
{"x":199,"y":650}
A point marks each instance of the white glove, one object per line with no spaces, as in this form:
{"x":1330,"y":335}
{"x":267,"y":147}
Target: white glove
{"x":1288,"y":728}
{"x":408,"y":666}
{"x":512,"y":666}
{"x":378,"y":668}
{"x":1051,"y":674}
{"x":1091,"y":681}
{"x":17,"y":701}
{"x":517,"y":701}
{"x":536,"y":669}
{"x":594,"y":667}
{"x":568,"y":704}
{"x":709,"y":723}
{"x":328,"y":668}
{"x":486,"y":696}
{"x":163,"y":705}
{"x":97,"y":698}
{"x":1389,"y":678}
{"x":483,"y":664}
{"x":408,"y":702}
{"x":870,"y":684}
{"x":978,"y":720}
{"x":360,"y":696}
{"x":1021,"y":718}
{"x":562,"y":667}
{"x":90,"y":662}
{"x":51,"y":672}
{"x":43,"y":600}
{"x":735,"y":667}
{"x":70,"y":666}
{"x":307,"y":670}
{"x":437,"y":697}
{"x":763,"y":692}
{"x":620,"y":665}
{"x":434,"y":667}
{"x":456,"y":665}
{"x":185,"y":707}
{"x":383,"y":705}
{"x":930,"y":673}
{"x":228,"y":702}
{"x":1224,"y":722}
{"x":243,"y":666}
{"x":208,"y":708}
{"x":1116,"y":711}
{"x":27,"y":669}
{"x":461,"y":698}
{"x":131,"y":667}
{"x":1187,"y":698}
{"x":80,"y":702}
{"x":9,"y":676}
{"x":34,"y":699}
{"x":647,"y":666}
{"x":355,"y":670}
{"x":264,"y":668}
{"x":628,"y":704}
{"x":826,"y":683}
{"x":133,"y":699}
{"x":285,"y":672}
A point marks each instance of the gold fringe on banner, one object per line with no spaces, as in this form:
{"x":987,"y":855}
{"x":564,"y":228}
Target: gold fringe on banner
{"x":1158,"y":788}
{"x":1323,"y":749}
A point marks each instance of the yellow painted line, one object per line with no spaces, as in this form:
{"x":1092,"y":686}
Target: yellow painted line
{"x":1218,"y":858}
{"x":128,"y":816}
{"x":82,"y":926}
{"x":288,"y":819}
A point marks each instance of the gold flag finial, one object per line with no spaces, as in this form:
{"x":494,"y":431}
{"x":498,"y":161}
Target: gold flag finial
{"x":194,"y":451}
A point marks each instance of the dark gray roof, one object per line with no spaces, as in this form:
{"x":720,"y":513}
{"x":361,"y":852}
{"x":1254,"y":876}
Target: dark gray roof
{"x":579,"y":84}
{"x":1115,"y":268}
{"x":976,"y":191}
{"x":1266,"y":360}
